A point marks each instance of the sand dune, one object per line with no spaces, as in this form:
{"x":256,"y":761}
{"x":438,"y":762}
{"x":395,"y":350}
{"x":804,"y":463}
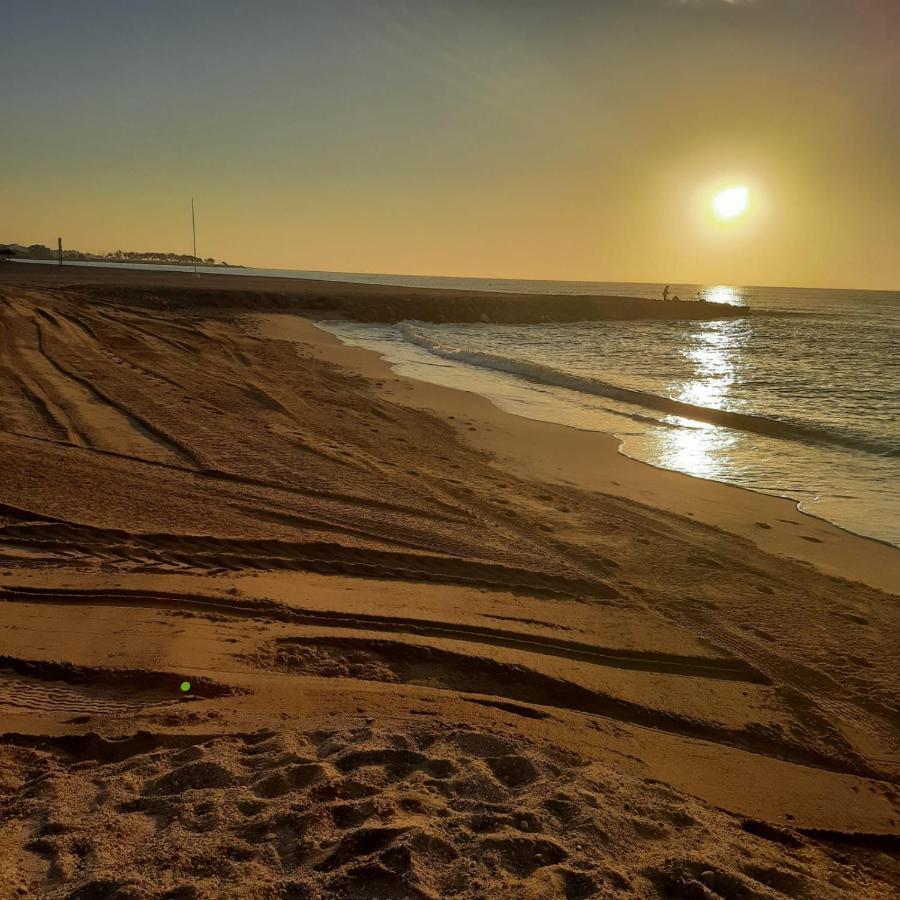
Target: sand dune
{"x":421,"y":661}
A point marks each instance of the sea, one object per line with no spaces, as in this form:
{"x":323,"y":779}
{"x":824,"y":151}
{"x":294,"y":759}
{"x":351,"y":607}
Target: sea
{"x":813,"y":374}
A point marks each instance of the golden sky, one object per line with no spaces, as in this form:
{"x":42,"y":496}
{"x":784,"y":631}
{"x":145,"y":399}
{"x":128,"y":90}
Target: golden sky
{"x":556,"y":140}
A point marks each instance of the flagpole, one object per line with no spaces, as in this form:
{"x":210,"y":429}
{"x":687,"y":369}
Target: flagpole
{"x":194,"y":230}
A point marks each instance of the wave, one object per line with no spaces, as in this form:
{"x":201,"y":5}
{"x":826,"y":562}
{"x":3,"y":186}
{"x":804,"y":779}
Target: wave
{"x":546,"y":375}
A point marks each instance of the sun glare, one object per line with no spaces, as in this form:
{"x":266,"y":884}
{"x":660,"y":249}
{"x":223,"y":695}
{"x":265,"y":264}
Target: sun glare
{"x":731,"y":202}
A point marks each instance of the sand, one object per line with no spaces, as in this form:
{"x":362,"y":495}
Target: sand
{"x":433,"y":650}
{"x":158,"y":289}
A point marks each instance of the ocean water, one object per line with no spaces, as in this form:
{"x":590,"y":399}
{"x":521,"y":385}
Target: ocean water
{"x":814,"y":396}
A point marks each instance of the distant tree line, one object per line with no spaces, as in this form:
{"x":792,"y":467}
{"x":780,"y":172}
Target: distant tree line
{"x":39,"y":251}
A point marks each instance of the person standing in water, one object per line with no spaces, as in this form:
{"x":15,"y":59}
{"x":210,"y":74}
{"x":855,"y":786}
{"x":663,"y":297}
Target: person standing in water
{"x":666,"y":292}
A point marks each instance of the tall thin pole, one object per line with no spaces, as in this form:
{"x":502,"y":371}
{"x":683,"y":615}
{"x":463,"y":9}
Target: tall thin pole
{"x":194,"y":230}
{"x":59,"y":249}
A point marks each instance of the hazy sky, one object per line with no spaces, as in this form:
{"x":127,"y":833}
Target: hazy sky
{"x":555,"y":139}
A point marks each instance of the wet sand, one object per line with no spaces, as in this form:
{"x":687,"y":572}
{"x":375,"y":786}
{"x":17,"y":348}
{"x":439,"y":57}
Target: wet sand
{"x":433,"y":649}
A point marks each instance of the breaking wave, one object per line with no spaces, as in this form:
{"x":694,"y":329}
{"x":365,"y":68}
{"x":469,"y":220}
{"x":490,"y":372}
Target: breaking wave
{"x":547,"y":375}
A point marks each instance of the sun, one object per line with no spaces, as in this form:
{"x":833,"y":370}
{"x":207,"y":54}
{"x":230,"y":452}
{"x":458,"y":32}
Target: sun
{"x":731,"y":202}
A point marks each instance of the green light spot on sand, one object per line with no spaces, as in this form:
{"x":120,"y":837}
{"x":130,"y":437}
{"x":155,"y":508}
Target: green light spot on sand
{"x":185,"y":686}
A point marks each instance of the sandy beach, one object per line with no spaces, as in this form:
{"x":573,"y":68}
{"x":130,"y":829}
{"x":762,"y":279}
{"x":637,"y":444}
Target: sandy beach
{"x":277,"y":622}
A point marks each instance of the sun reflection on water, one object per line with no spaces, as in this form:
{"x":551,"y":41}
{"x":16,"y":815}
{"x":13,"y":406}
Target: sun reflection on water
{"x":699,"y":448}
{"x":722,"y":293}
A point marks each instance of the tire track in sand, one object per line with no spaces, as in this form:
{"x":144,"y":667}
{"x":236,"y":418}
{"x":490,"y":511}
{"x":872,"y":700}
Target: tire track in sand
{"x":719,"y":668}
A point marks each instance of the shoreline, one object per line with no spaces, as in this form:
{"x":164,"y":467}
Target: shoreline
{"x":398,"y":365}
{"x":835,"y":550}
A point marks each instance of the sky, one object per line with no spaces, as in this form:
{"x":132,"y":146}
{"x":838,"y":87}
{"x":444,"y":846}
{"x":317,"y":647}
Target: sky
{"x":562,"y":139}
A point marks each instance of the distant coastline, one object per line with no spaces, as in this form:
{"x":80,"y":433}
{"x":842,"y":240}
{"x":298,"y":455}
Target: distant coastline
{"x":42,"y":253}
